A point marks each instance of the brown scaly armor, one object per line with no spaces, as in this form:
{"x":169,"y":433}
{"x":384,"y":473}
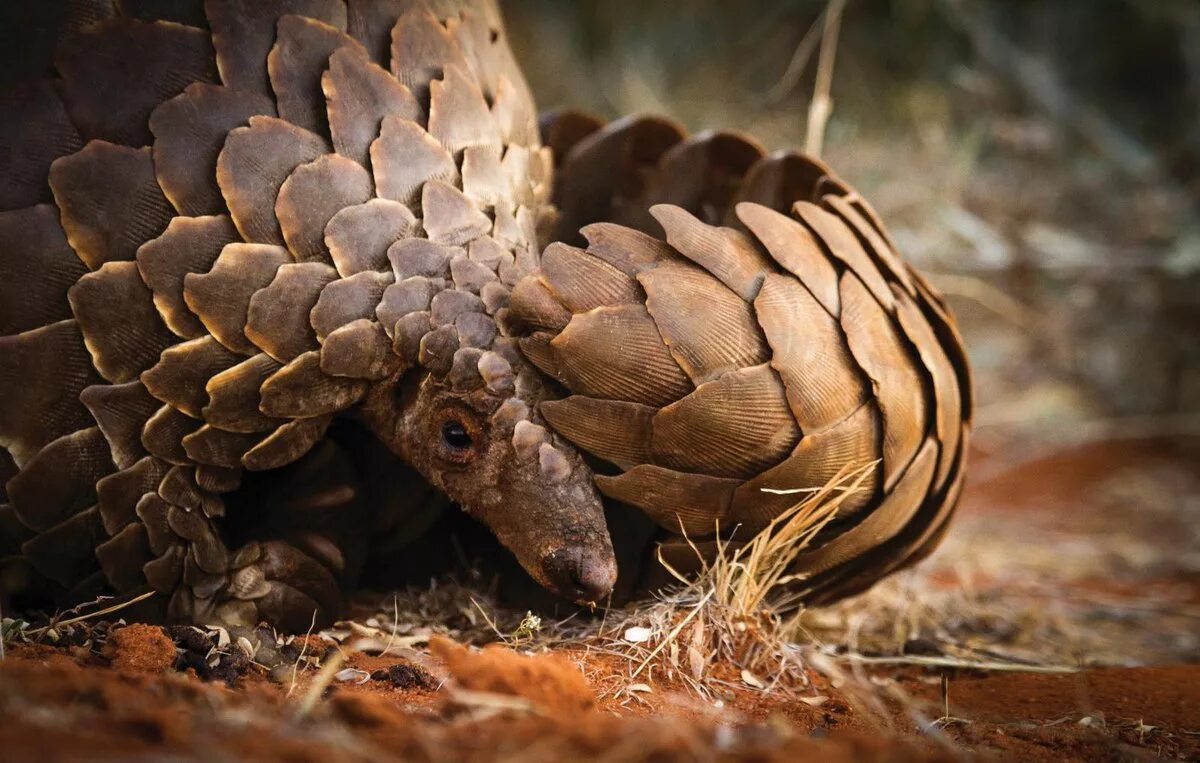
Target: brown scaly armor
{"x":230,"y":226}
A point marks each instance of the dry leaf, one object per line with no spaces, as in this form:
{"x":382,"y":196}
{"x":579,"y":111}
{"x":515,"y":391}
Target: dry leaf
{"x":750,"y":679}
{"x":814,"y":701}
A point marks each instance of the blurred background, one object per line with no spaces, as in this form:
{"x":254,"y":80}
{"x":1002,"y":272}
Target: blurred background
{"x":1041,"y":161}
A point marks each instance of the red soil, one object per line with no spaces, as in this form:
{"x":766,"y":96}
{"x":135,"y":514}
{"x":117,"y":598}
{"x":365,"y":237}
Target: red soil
{"x":141,"y":649}
{"x":72,"y":703}
{"x":57,"y":707}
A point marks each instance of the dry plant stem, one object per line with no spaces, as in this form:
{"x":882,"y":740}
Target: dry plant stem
{"x":90,"y":615}
{"x":674,"y":633}
{"x":797,"y":64}
{"x":989,"y":296}
{"x":950,"y":662}
{"x":319,"y":683}
{"x":821,"y":106}
{"x":303,"y":650}
{"x":741,"y":593}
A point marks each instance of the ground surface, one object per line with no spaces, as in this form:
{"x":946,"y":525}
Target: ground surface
{"x":1057,"y":623}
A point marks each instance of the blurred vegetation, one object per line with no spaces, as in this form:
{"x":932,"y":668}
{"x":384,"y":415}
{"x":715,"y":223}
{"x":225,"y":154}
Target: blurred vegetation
{"x":1040,"y":160}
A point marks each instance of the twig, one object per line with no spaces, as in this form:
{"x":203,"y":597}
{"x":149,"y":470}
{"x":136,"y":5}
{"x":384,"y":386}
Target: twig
{"x":106,"y":611}
{"x":303,"y":649}
{"x":988,"y":296}
{"x":491,"y":623}
{"x":821,"y":106}
{"x":798,"y":63}
{"x":950,"y":662}
{"x":395,"y":625}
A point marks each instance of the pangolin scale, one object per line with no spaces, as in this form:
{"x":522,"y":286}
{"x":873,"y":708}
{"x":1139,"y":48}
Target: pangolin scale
{"x":229,"y":226}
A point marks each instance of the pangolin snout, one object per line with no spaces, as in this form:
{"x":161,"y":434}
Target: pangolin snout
{"x":585,"y":576}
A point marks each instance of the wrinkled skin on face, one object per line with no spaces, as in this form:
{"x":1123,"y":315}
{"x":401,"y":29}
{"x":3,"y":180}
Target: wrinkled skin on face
{"x":490,"y":455}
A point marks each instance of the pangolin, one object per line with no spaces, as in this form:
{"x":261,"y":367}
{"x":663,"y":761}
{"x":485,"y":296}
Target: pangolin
{"x":232,"y":228}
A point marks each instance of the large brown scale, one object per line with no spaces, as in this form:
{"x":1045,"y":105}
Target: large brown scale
{"x":230,"y":226}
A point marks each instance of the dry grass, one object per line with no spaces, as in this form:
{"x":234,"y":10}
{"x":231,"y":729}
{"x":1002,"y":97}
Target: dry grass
{"x":738,"y":612}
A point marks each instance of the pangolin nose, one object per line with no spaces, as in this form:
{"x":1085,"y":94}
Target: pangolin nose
{"x":585,"y":576}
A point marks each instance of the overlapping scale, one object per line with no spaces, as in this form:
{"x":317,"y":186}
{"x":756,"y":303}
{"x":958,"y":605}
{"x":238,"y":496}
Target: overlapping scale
{"x":336,"y":223}
{"x":359,"y":94}
{"x":359,"y":237}
{"x":221,"y":297}
{"x":868,"y":369}
{"x":726,"y":340}
{"x":116,"y":72}
{"x":734,"y":426}
{"x":295,"y":65}
{"x":60,"y":481}
{"x":36,"y":132}
{"x":824,"y":384}
{"x":254,"y":164}
{"x":109,"y":201}
{"x":189,"y":132}
{"x":121,"y":410}
{"x":33,"y":242}
{"x":877,"y":345}
{"x":616,"y":353}
{"x":188,"y":245}
{"x":243,"y":32}
{"x":692,"y":504}
{"x":42,"y":372}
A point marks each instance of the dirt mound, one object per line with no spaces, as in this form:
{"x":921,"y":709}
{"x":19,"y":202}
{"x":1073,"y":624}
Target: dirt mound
{"x":548,"y":681}
{"x":141,"y":649}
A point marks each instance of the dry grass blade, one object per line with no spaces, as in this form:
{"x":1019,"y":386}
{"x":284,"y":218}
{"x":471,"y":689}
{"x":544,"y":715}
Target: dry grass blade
{"x":822,"y":106}
{"x":319,"y":684}
{"x":751,"y":579}
{"x":734,"y":605}
{"x":36,"y":632}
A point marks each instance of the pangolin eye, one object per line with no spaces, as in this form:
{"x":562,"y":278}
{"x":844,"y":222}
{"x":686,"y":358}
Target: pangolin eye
{"x":456,"y":435}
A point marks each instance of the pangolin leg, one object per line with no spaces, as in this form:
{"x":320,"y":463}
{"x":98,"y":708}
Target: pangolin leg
{"x":303,"y":535}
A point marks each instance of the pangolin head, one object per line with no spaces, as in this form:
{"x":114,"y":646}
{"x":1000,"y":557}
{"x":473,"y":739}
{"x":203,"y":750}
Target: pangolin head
{"x":474,"y":434}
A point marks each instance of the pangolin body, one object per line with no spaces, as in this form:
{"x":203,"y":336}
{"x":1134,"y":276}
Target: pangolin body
{"x":228,"y":225}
